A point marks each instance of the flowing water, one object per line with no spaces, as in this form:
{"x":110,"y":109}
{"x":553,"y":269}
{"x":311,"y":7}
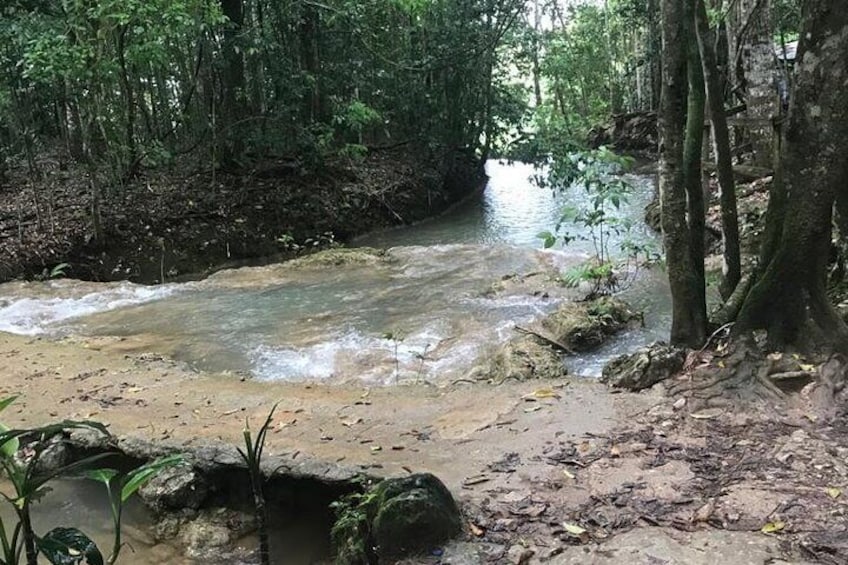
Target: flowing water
{"x":424,"y":311}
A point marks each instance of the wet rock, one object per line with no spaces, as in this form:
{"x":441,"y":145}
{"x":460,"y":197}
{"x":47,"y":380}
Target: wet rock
{"x":582,"y":326}
{"x":53,"y":454}
{"x":175,"y":488}
{"x":413,"y":513}
{"x":397,"y":517}
{"x":208,"y":536}
{"x":644,"y":368}
{"x":201,"y":538}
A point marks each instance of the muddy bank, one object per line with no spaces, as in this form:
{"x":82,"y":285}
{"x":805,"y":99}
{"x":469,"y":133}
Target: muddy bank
{"x":545,"y":471}
{"x":173,"y":225}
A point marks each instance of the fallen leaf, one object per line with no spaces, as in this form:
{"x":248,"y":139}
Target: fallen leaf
{"x":541,"y":393}
{"x":809,"y":367}
{"x":568,"y":474}
{"x":707,"y":414}
{"x":773,"y":527}
{"x":574,"y":529}
{"x":475,"y":480}
{"x":834,"y":492}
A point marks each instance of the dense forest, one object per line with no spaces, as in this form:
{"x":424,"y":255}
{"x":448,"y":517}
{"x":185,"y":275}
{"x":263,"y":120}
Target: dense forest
{"x":685,"y":158}
{"x":156,"y":126}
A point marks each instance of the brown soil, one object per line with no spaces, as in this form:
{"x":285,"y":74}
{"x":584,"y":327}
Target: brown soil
{"x":557,"y":471}
{"x":178,"y":224}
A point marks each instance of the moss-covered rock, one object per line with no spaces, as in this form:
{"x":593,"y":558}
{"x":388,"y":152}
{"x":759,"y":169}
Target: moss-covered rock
{"x":645,"y":367}
{"x":521,"y":359}
{"x":397,"y":517}
{"x":582,"y":326}
{"x":339,"y":256}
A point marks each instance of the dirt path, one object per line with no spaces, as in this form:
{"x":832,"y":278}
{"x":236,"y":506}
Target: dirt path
{"x":546,"y":472}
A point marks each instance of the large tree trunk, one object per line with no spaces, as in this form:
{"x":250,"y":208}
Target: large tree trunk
{"x":689,"y":312}
{"x":754,"y":69}
{"x":732,"y":269}
{"x":790,"y":299}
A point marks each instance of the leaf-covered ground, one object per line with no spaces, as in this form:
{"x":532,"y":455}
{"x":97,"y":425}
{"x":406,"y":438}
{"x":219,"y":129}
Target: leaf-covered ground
{"x":183,"y":223}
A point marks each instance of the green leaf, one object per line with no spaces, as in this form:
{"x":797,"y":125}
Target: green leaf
{"x":69,"y":546}
{"x":773,"y":527}
{"x":104,"y":476}
{"x":4,"y":403}
{"x":139,"y":477}
{"x":9,"y":447}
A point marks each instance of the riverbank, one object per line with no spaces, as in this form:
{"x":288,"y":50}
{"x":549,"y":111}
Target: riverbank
{"x":546,"y":471}
{"x":170,"y":225}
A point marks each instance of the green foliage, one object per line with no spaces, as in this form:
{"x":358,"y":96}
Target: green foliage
{"x":61,"y":545}
{"x":599,"y":174}
{"x":69,"y":546}
{"x":350,"y":534}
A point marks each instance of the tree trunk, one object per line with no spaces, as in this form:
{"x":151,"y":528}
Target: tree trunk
{"x":732,"y":268}
{"x":310,"y":60}
{"x":689,"y":312}
{"x":790,"y":300}
{"x":232,"y":103}
{"x":537,"y":73}
{"x":692,"y":152}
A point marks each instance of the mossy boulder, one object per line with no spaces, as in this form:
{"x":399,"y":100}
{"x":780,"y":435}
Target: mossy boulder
{"x":645,"y":367}
{"x":339,"y":256}
{"x":582,"y":326}
{"x":397,"y":517}
{"x":523,"y":358}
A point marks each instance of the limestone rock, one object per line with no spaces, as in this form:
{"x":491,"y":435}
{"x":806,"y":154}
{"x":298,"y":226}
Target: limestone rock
{"x":582,"y":326}
{"x":175,"y":488}
{"x":413,"y":513}
{"x":522,"y":359}
{"x":644,"y":368}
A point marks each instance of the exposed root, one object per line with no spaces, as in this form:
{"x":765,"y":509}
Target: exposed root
{"x":744,"y":372}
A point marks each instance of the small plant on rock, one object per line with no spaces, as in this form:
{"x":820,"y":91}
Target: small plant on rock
{"x":252,"y":456}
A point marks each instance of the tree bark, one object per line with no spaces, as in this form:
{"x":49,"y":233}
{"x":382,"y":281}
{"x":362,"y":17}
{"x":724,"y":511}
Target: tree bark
{"x":732,"y":268}
{"x":789,"y":300}
{"x":232,"y":103}
{"x":692,"y":152}
{"x":688,"y":311}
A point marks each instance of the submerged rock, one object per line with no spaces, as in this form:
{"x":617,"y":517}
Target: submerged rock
{"x":644,"y":368}
{"x":340,"y":256}
{"x":398,"y":517}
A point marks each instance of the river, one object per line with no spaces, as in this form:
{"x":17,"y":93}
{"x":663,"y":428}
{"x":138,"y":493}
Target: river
{"x":420,"y":313}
